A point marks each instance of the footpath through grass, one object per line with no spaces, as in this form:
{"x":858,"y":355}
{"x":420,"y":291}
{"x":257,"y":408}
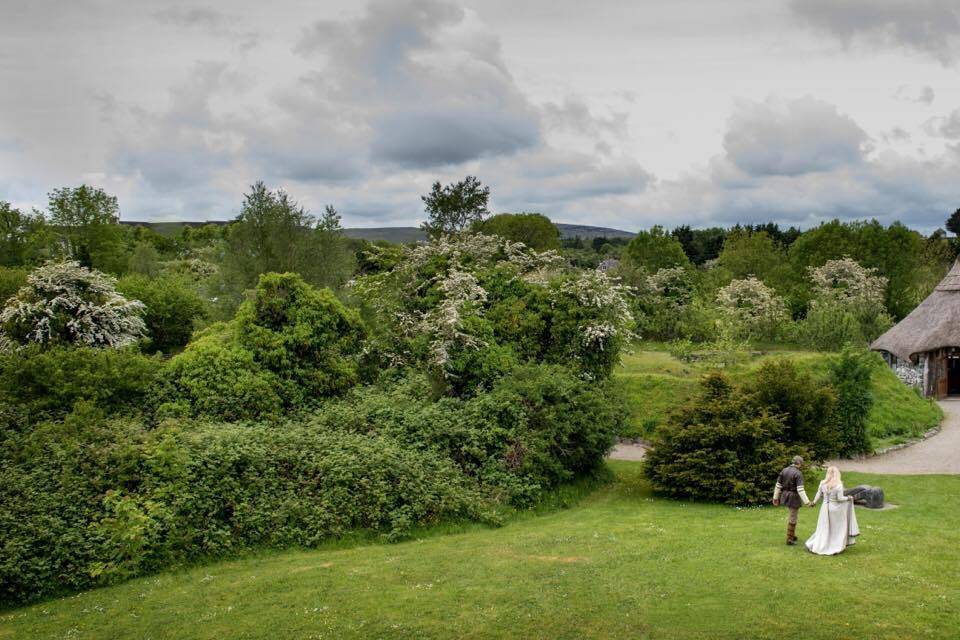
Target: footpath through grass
{"x":655,"y":383}
{"x":622,"y":563}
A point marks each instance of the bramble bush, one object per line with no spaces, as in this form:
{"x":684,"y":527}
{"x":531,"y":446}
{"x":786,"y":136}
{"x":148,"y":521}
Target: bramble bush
{"x":90,"y":500}
{"x":46,"y":382}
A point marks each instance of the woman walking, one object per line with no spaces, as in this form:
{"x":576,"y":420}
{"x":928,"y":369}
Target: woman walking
{"x":837,"y":526}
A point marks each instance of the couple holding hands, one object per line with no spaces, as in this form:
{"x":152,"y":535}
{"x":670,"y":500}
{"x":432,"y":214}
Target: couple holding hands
{"x":837,"y":526}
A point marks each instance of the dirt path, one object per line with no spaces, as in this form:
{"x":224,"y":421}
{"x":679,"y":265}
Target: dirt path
{"x":937,"y":454}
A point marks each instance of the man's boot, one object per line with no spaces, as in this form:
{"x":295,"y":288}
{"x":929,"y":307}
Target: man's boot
{"x":791,"y":530}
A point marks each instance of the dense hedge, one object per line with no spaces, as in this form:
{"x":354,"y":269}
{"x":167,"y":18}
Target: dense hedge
{"x":90,"y":500}
{"x":43,"y":383}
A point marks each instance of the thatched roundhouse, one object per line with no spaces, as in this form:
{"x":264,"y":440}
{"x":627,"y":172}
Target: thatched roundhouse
{"x":924,"y":347}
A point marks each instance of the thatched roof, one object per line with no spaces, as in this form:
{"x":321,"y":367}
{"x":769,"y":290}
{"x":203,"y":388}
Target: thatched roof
{"x":934,"y":324}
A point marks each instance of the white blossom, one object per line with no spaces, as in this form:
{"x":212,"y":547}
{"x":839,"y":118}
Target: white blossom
{"x":63,"y":301}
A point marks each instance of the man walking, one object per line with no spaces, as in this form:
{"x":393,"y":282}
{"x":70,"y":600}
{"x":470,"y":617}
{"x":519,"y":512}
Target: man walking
{"x":789,"y":491}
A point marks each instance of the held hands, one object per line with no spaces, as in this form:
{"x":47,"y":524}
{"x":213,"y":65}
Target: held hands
{"x":776,"y":502}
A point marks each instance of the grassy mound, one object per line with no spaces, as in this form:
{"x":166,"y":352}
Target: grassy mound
{"x":655,"y":382}
{"x":621,"y":563}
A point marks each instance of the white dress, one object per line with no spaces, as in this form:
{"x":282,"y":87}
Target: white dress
{"x":837,"y":526}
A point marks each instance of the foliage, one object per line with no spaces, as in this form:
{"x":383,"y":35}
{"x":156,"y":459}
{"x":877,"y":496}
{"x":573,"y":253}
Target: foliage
{"x":847,"y":308}
{"x":664,"y":301}
{"x":850,"y":374}
{"x":532,"y":229}
{"x":719,"y":447}
{"x":656,"y":249}
{"x":752,"y":310}
{"x":88,"y":220}
{"x":49,"y":382}
{"x":88,"y":501}
{"x":65,"y":303}
{"x":455,"y":207}
{"x":145,"y":260}
{"x":457,"y":301}
{"x":953,"y":223}
{"x":12,"y":279}
{"x":806,"y":405}
{"x":24,"y":237}
{"x":701,"y":245}
{"x":748,"y":254}
{"x":274,"y":234}
{"x":172,"y":304}
{"x":288,"y":345}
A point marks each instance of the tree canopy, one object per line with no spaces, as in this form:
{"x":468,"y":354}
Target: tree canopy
{"x":455,"y":207}
{"x":532,"y":229}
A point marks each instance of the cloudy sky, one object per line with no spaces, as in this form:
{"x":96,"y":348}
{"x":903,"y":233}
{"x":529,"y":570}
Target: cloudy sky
{"x":617,"y":113}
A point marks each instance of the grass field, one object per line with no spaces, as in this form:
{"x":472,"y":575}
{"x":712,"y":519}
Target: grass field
{"x":620,"y":563}
{"x":655,"y":383}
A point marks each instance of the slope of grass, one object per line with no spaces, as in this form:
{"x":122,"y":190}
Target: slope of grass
{"x":621,"y":563}
{"x":655,"y":383}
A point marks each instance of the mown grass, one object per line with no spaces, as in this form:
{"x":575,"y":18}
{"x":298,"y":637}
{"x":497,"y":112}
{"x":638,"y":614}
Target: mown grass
{"x":621,"y":563}
{"x":655,"y":383}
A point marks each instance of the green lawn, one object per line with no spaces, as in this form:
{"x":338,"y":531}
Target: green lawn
{"x":655,"y":383}
{"x":619,"y":564}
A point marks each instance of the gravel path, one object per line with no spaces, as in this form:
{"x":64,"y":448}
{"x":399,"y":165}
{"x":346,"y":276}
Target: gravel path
{"x":938,"y":454}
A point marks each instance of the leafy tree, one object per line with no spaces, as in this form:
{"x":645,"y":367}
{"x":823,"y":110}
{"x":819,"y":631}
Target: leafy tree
{"x":850,"y":374}
{"x":145,"y":260}
{"x":532,"y":229}
{"x":275,"y":234}
{"x":953,"y":223}
{"x":700,"y":245}
{"x":65,"y":303}
{"x":751,"y":254}
{"x":89,"y":221}
{"x":24,"y":238}
{"x":656,"y":249}
{"x":752,"y":310}
{"x":172,"y":307}
{"x":455,"y":207}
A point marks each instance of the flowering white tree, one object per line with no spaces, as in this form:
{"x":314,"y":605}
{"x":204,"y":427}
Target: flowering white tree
{"x":751,"y":309}
{"x":64,"y":302}
{"x":441,"y":290}
{"x":848,"y":305}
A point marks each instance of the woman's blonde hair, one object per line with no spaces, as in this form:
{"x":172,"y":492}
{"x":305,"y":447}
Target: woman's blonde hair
{"x":833,"y":478}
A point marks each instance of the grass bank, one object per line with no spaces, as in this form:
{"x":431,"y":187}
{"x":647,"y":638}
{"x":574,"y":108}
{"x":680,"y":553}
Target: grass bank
{"x":655,"y":383}
{"x":620,"y":563}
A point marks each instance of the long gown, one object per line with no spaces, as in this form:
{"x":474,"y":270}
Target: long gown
{"x":837,"y":526}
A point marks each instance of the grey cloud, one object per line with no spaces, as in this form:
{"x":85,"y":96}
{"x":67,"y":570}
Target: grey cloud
{"x":779,"y":137}
{"x":574,"y":115}
{"x":931,"y":27}
{"x":945,"y":127}
{"x":913,"y":93}
{"x":427,"y":79}
{"x":211,"y":21}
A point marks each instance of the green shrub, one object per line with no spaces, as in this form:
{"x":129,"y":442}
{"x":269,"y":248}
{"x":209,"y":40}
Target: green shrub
{"x":45,"y":383}
{"x":805,"y":404}
{"x":288,"y":346}
{"x":173,"y":306}
{"x":538,"y":426}
{"x":719,"y":447}
{"x":89,"y":501}
{"x":216,"y":377}
{"x":11,"y":279}
{"x":850,"y":374}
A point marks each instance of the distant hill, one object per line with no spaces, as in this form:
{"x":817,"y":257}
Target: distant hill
{"x":400,"y":235}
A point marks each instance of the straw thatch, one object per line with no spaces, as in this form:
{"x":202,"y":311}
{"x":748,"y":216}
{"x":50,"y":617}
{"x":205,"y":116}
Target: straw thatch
{"x":934,"y":324}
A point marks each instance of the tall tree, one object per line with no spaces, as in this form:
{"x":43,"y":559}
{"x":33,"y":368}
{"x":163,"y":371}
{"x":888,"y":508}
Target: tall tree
{"x":455,"y":207}
{"x":88,"y":219}
{"x":532,"y":229}
{"x":953,"y":223}
{"x":24,"y":237}
{"x":275,"y":234}
{"x":656,"y":249}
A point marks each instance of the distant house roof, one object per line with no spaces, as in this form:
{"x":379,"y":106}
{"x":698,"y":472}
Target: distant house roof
{"x":608,"y":264}
{"x":934,"y":324}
